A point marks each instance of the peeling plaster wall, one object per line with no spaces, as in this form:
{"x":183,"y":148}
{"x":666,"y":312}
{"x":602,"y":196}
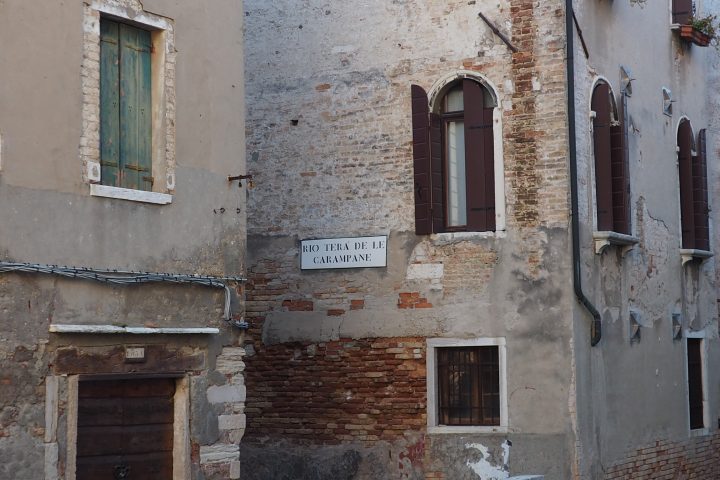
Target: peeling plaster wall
{"x":48,"y":216}
{"x":329,"y":147}
{"x":633,"y":394}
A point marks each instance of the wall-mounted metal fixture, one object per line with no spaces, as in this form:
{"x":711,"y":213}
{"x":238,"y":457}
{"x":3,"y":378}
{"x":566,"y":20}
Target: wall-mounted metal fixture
{"x":240,"y":178}
{"x":625,"y":81}
{"x":667,"y":101}
{"x":497,"y":32}
{"x":677,"y":326}
{"x":634,"y":327}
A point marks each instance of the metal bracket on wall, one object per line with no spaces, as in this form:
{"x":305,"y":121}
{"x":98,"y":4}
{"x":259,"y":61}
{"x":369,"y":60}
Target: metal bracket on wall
{"x":667,"y":101}
{"x":677,"y":326}
{"x":497,"y":32}
{"x":634,"y":327}
{"x":625,"y":81}
{"x":240,"y":178}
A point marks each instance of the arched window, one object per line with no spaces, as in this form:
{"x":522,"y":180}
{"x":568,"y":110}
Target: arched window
{"x":612,"y":186}
{"x":454,"y":157}
{"x":692,"y":166}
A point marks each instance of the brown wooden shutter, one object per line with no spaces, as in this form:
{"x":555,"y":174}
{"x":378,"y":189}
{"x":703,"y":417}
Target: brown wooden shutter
{"x":687,"y":213}
{"x":421,"y":160}
{"x":603,"y":165}
{"x":436,"y":173}
{"x":125,"y":426}
{"x":620,"y":177}
{"x":700,"y":194}
{"x":479,"y":159}
{"x":682,"y":11}
{"x":695,"y":386}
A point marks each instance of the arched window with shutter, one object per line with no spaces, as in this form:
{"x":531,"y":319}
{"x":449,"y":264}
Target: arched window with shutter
{"x":454,"y":157}
{"x":612,"y":185}
{"x":692,"y":171}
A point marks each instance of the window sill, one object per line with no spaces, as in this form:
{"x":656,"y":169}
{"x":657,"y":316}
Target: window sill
{"x":699,"y":432}
{"x":690,"y":254}
{"x":97,"y":329}
{"x":605,"y":238}
{"x":446,"y":429}
{"x":97,"y":190}
{"x":452,"y":237}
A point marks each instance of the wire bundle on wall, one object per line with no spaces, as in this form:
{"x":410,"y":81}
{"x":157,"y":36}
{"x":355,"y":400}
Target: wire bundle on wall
{"x":128,"y":277}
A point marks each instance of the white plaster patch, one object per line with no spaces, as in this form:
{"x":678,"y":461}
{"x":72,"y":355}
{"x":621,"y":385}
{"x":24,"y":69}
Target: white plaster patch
{"x":223,"y":453}
{"x":226,"y":394}
{"x":425,"y":271}
{"x":535,"y":84}
{"x":483,"y":468}
{"x":509,"y":88}
{"x":51,"y":461}
{"x":235,"y":469}
{"x":231,"y":422}
{"x":93,"y":171}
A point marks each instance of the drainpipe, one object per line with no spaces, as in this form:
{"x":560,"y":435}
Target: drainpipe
{"x":596,"y":327}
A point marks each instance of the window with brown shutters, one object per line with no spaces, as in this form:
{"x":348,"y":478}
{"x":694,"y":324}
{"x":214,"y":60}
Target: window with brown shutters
{"x":682,"y":10}
{"x":612,"y":186}
{"x":692,"y":170}
{"x":695,"y":383}
{"x":453,"y":160}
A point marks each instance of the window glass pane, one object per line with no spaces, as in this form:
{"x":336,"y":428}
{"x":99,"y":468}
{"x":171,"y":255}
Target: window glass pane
{"x":454,"y":100}
{"x":456,"y":174}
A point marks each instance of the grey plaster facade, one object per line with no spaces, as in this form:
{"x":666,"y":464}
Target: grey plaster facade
{"x":49,"y":132}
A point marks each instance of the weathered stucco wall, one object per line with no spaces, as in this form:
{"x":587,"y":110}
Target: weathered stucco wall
{"x":632,"y":396}
{"x":48,"y":216}
{"x":329,"y":145}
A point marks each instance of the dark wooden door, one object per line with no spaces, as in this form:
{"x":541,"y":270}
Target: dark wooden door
{"x":125,"y":429}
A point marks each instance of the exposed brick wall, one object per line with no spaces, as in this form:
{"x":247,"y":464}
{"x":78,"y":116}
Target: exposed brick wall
{"x":695,"y":458}
{"x":347,"y":390}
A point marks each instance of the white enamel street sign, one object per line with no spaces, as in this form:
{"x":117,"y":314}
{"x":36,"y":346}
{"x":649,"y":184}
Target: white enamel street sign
{"x":347,"y":252}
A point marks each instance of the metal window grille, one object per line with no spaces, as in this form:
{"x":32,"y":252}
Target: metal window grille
{"x":469,"y":385}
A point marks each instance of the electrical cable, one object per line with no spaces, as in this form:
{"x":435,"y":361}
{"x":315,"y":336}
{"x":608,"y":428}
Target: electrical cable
{"x":129,"y":277}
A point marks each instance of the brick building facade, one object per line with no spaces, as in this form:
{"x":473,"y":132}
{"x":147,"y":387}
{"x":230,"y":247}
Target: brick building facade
{"x":344,"y":366}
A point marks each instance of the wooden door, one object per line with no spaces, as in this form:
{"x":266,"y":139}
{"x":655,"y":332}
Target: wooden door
{"x":125,"y":429}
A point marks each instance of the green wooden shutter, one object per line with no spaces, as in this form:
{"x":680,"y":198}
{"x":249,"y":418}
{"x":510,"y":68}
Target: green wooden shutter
{"x":135,"y":108}
{"x":109,"y":103}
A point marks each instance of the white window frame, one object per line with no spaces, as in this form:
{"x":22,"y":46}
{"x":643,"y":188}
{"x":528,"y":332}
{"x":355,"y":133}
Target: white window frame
{"x":68,"y":396}
{"x":432,"y":394}
{"x":163,"y":101}
{"x":702,"y":335}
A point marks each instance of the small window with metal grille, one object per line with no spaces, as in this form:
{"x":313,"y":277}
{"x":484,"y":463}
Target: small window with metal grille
{"x":469,"y":386}
{"x":466,"y":384}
